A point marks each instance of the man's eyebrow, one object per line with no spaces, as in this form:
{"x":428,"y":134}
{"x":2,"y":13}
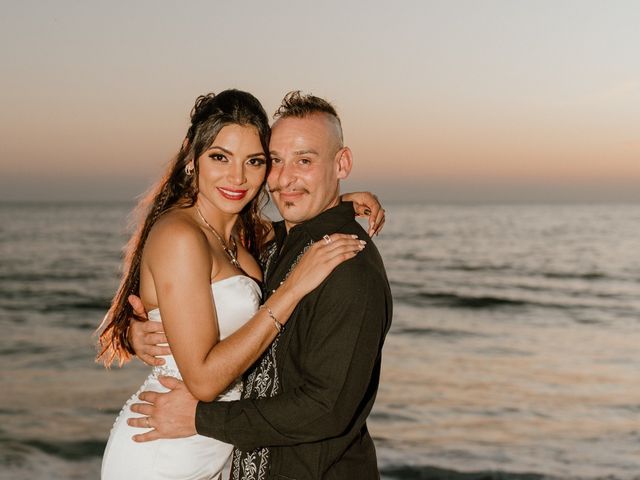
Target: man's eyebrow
{"x":229,"y":152}
{"x":309,"y":151}
{"x":306,"y":152}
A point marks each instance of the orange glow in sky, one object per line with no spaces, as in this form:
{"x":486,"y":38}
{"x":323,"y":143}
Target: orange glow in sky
{"x":447,"y":94}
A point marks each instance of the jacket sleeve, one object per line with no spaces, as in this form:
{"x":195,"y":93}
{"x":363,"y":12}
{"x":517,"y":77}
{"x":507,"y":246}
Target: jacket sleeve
{"x":341,"y":355}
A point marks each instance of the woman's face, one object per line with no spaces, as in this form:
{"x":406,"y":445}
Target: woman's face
{"x":232,"y":170}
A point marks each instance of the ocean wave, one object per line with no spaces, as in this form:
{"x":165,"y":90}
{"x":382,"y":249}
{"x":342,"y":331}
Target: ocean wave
{"x":418,"y":263}
{"x":13,"y":411}
{"x":384,"y":416}
{"x":479,"y":268}
{"x":14,"y":452}
{"x":24,"y":348}
{"x":53,"y":303}
{"x":459,"y":301}
{"x":404,"y":284}
{"x":435,"y":332}
{"x":524,"y":272}
{"x":570,"y":301}
{"x":48,"y":276}
{"x":579,"y":276}
{"x":426,"y":472}
{"x":89,"y":304}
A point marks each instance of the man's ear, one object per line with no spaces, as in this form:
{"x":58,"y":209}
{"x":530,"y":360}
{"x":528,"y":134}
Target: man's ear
{"x":344,"y":163}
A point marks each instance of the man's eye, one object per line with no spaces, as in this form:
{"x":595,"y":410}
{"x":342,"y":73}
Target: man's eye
{"x":275,"y":160}
{"x":305,"y":161}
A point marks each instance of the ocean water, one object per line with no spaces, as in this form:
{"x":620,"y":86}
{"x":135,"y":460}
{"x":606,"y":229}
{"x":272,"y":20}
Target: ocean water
{"x":514,"y":352}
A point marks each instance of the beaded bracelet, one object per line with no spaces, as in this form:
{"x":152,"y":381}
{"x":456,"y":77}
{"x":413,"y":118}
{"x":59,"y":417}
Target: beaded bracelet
{"x":276,"y":323}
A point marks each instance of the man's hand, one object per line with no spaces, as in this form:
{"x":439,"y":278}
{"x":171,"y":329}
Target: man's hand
{"x":169,"y":415}
{"x":145,"y":336}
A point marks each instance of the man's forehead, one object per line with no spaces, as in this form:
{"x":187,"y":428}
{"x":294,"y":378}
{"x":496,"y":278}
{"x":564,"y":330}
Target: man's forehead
{"x":312,"y":121}
{"x":303,"y":133}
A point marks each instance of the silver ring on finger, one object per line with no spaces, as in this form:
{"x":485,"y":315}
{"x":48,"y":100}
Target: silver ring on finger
{"x":327,"y":239}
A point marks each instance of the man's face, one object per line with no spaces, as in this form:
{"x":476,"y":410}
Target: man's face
{"x":304,"y":178}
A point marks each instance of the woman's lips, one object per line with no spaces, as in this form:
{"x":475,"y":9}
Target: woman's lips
{"x":232,"y":194}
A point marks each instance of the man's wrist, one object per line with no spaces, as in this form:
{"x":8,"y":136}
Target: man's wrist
{"x":210,"y":419}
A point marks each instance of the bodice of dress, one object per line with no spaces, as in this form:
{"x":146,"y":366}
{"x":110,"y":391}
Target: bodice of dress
{"x":236,"y":299}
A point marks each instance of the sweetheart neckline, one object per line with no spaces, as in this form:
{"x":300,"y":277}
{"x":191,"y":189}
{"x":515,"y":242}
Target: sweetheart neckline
{"x":212,"y":284}
{"x":235,"y":276}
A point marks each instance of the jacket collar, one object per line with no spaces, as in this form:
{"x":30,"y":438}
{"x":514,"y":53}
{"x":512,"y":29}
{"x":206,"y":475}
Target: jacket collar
{"x":327,"y":222}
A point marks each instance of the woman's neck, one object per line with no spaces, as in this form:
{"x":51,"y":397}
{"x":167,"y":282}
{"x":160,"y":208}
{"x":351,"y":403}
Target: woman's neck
{"x":222,"y":223}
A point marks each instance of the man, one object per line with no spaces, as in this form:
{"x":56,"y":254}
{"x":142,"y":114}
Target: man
{"x":305,"y":402}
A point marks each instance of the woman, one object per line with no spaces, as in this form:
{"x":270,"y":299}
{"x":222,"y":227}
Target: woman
{"x":193,"y":259}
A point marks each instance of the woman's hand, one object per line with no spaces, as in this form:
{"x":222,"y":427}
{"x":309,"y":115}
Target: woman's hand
{"x":144,"y":336}
{"x":366,"y":204}
{"x":319,"y":261}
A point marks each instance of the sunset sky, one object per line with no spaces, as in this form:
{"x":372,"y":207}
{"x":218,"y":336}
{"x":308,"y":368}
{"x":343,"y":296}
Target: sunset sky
{"x":440,"y":100}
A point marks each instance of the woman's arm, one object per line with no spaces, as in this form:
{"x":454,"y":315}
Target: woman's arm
{"x":182,"y":281}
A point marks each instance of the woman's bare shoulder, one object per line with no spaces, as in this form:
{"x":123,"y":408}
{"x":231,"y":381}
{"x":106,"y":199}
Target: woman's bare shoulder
{"x":176,"y":228}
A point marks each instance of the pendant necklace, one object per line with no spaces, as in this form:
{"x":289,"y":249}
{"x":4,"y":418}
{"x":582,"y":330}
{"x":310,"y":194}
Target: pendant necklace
{"x":231,"y":252}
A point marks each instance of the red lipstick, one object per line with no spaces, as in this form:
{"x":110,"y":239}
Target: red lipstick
{"x":232,"y":193}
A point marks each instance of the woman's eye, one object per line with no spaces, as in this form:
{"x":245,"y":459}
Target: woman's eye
{"x":257,"y":161}
{"x":218,"y":157}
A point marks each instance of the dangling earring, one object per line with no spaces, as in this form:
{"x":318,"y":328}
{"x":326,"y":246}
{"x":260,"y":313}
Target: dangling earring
{"x":189,"y":168}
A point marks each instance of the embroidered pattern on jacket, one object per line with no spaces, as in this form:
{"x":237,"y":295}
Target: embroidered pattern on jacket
{"x":262,"y":382}
{"x":267,"y":258}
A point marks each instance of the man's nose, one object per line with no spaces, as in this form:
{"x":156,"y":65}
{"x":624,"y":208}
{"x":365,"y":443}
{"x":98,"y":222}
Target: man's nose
{"x":284,"y":175}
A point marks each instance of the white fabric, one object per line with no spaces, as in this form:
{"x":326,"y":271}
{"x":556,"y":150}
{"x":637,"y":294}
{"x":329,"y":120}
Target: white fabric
{"x":236,"y":298}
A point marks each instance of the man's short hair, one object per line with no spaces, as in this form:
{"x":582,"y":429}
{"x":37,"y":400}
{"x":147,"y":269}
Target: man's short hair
{"x":299,"y":105}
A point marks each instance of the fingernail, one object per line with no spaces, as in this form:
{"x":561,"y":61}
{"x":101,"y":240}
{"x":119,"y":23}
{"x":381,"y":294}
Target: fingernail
{"x":354,"y":236}
{"x":363,"y":243}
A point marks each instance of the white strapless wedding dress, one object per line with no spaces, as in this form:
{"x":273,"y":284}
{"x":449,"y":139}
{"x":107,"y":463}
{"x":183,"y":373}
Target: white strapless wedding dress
{"x":237,"y":298}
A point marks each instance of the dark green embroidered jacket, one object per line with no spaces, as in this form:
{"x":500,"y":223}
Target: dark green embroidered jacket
{"x":328,"y":364}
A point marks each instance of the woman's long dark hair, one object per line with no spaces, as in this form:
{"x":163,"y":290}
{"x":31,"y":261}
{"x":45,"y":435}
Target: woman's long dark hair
{"x":176,"y":189}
